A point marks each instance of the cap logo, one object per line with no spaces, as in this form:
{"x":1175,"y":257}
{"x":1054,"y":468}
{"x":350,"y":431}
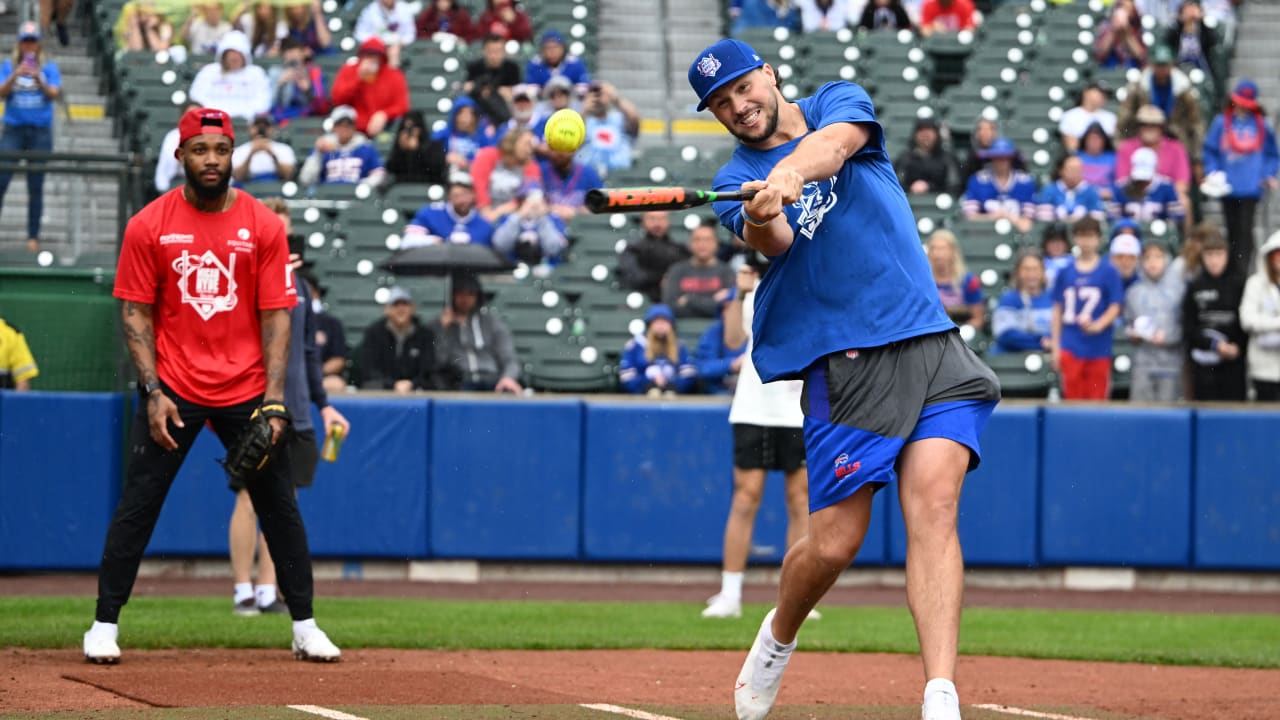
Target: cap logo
{"x":709,"y":66}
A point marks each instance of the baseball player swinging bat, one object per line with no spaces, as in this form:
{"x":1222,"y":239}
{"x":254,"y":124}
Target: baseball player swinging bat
{"x":620,"y":200}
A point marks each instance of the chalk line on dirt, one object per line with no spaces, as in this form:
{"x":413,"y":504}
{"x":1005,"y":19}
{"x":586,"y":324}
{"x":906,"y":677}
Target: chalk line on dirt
{"x":1007,"y":710}
{"x":325,"y":712}
{"x":626,"y":712}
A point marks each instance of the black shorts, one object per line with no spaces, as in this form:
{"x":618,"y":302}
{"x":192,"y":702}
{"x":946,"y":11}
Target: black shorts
{"x":302,"y":455}
{"x":756,"y":447}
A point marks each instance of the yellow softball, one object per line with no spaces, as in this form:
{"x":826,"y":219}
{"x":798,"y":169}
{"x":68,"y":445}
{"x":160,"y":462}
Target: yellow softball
{"x":565,"y":130}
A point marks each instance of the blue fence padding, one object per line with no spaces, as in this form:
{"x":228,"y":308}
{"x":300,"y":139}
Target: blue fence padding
{"x":372,"y":502}
{"x":197,"y":513}
{"x":59,"y":475}
{"x":1116,"y":486}
{"x":506,"y":479}
{"x":654,"y":479}
{"x":1237,"y":490}
{"x":997,"y":523}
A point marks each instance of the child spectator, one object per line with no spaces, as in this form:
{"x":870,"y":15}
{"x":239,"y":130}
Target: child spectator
{"x":697,"y":287}
{"x":1242,"y":147}
{"x":414,"y":156}
{"x":375,"y":88}
{"x":999,"y":191}
{"x":553,"y":60}
{"x":205,"y":26}
{"x":344,"y":156}
{"x":298,"y":84}
{"x":1087,"y":296}
{"x":1260,"y":317}
{"x":531,"y":234}
{"x":1211,"y":323}
{"x":1147,"y":195}
{"x":447,"y":17}
{"x":959,"y":289}
{"x":1023,"y":318}
{"x":1055,"y":250}
{"x":1098,"y":160}
{"x":1126,"y":247}
{"x":1069,"y":197}
{"x":926,"y":167}
{"x":504,"y":19}
{"x":718,"y":364}
{"x":657,"y":363}
{"x":463,"y":134}
{"x":455,"y":220}
{"x":1153,"y":321}
{"x":233,"y":84}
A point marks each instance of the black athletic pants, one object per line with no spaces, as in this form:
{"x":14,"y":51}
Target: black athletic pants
{"x":151,"y":472}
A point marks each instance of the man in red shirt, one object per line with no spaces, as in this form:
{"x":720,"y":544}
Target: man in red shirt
{"x":207,"y":290}
{"x":946,"y":16}
{"x":377,"y":91}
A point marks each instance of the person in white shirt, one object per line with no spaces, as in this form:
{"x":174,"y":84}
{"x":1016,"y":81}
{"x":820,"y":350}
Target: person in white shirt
{"x":168,"y":169}
{"x":767,"y":435}
{"x":233,"y":84}
{"x":1091,"y":109}
{"x":263,"y":158}
{"x":390,"y":20}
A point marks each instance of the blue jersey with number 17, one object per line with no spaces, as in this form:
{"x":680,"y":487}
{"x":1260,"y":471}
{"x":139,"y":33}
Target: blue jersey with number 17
{"x":856,"y":276}
{"x":1086,"y":296}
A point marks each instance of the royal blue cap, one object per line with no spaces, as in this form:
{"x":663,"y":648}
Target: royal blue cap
{"x":720,"y":63}
{"x":659,"y":311}
{"x":1000,"y":148}
{"x":551,"y":36}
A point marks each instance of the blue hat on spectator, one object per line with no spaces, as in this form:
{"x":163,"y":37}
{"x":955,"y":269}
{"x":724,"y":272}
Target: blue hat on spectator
{"x":551,"y":36}
{"x":1000,"y":148}
{"x":720,"y":63}
{"x":659,"y":311}
{"x":1126,"y":226}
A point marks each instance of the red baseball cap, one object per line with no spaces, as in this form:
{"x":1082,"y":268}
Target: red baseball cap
{"x":204,"y":121}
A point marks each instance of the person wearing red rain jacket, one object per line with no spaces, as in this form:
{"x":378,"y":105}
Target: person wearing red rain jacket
{"x":377,"y":91}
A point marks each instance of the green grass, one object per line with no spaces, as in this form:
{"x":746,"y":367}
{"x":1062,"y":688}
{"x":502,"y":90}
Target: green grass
{"x":178,"y":622}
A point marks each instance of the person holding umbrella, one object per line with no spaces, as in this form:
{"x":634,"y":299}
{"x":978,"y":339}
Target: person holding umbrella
{"x":475,"y":349}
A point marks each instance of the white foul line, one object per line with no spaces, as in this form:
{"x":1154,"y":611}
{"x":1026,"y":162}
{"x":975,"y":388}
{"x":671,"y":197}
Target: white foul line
{"x":627,"y":712}
{"x":1028,"y":713}
{"x":325,"y":712}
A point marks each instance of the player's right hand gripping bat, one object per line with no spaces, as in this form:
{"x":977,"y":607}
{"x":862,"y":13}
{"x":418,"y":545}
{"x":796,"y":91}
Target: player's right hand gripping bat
{"x":622,"y":200}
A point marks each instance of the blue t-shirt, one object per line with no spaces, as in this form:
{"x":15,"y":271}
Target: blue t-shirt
{"x":571,"y":68}
{"x":1020,"y":321}
{"x":28,"y":105}
{"x":439,"y":219}
{"x":570,"y":190}
{"x":1087,"y":295}
{"x":856,"y":276}
{"x":349,"y":165}
{"x":984,"y":194}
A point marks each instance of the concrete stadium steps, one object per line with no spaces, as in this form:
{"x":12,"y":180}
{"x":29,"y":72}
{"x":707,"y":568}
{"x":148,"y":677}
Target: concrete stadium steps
{"x":1257,"y":57}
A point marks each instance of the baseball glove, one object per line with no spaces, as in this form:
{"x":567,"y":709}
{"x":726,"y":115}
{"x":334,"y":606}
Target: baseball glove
{"x":252,"y":450}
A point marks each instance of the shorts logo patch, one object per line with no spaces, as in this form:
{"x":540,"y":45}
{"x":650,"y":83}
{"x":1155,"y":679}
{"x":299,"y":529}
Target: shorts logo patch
{"x":844,"y":468}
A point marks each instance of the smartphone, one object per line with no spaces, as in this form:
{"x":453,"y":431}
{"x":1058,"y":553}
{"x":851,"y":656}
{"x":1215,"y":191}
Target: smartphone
{"x":298,"y":245}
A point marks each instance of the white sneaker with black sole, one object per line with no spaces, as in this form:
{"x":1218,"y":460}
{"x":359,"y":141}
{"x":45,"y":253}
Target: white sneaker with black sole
{"x":312,"y":645}
{"x":761,"y":675}
{"x":245,"y":608}
{"x":100,"y":645}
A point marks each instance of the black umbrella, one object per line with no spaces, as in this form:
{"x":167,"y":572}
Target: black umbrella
{"x":447,"y":259}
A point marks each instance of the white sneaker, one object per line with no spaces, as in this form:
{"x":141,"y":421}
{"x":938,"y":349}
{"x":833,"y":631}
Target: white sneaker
{"x":940,"y":705}
{"x":760,"y":677}
{"x":723,"y":607}
{"x":313,"y":645}
{"x":814,"y":614}
{"x":713,"y":599}
{"x":100,"y":644}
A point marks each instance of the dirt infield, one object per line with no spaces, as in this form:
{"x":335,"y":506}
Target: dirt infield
{"x":822,"y":684}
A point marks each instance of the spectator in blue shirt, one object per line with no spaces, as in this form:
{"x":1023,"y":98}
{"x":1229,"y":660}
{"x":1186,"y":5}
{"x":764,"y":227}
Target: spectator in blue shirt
{"x":465,"y":132}
{"x":1147,"y":196}
{"x":31,"y":83}
{"x":613,"y":122}
{"x":998,"y":190}
{"x":747,"y":14}
{"x":718,"y":363}
{"x":1023,"y":318}
{"x":456,"y":220}
{"x":345,"y":156}
{"x":566,"y":182}
{"x":552,"y":60}
{"x":1069,"y":197}
{"x":657,"y":363}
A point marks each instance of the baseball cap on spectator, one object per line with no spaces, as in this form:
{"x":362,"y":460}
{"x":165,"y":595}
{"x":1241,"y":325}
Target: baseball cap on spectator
{"x":720,"y":63}
{"x":551,"y":36}
{"x":461,"y":177}
{"x":1000,"y":148}
{"x":1126,"y":244}
{"x":1162,"y":55}
{"x":341,"y":113}
{"x":1143,"y":164}
{"x":659,"y":311}
{"x":29,"y":30}
{"x":524,"y":91}
{"x":1150,"y":115}
{"x":204,"y":121}
{"x":558,"y":82}
{"x":1246,"y":94}
{"x":398,"y":294}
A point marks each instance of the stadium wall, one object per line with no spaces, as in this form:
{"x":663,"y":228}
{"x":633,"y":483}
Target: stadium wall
{"x":614,"y":481}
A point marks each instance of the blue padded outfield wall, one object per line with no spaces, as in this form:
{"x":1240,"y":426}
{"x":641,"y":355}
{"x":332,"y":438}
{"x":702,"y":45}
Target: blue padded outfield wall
{"x":633,"y":481}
